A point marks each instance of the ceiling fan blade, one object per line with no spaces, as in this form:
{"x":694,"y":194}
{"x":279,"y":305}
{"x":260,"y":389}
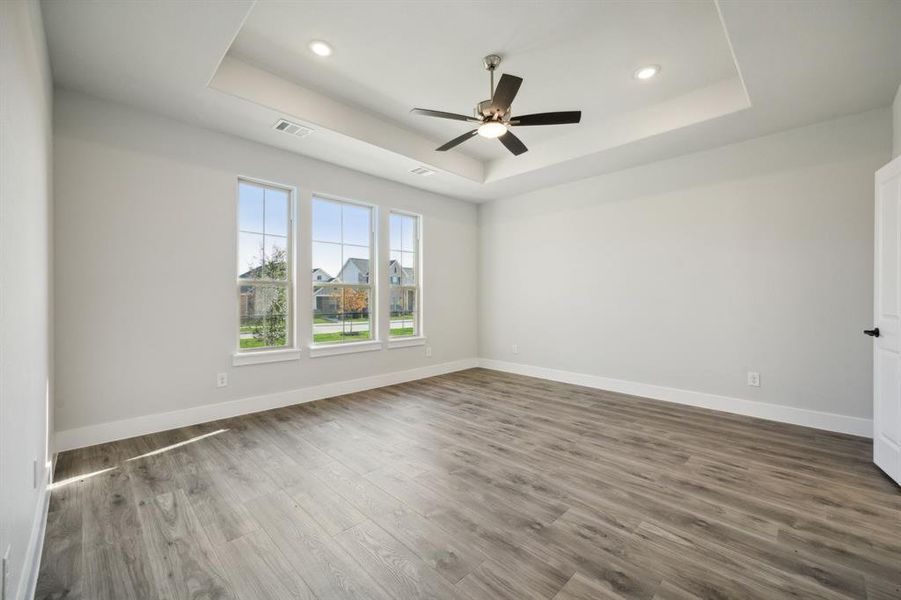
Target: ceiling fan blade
{"x":444,"y":115}
{"x":513,"y":143}
{"x":457,"y":140}
{"x":551,"y":118}
{"x":505,"y":92}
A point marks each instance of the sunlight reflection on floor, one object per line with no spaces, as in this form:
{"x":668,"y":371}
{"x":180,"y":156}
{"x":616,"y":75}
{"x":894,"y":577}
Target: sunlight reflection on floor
{"x":63,"y":482}
{"x":178,"y":445}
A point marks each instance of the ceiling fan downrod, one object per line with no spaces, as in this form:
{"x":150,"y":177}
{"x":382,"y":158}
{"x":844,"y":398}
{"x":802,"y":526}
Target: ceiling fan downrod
{"x":491,"y":63}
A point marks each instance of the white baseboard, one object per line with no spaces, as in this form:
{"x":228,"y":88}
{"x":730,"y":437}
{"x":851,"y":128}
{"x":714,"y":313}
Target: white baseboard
{"x":32,"y":564}
{"x":117,"y":430}
{"x":751,"y":408}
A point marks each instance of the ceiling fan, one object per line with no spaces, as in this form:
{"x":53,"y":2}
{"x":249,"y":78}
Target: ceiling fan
{"x":493,"y":115}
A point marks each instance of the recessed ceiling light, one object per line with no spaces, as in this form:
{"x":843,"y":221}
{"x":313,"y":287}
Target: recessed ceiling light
{"x":492,"y":129}
{"x":647,"y":72}
{"x":320,"y":48}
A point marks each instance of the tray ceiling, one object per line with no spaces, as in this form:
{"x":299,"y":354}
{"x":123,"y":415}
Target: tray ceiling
{"x":731,"y":70}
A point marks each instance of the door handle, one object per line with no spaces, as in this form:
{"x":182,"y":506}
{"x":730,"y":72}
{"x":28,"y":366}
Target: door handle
{"x":872,"y":332}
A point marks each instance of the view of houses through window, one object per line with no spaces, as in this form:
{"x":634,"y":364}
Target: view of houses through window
{"x":264,"y":266}
{"x":403,"y":278}
{"x":342,"y":285}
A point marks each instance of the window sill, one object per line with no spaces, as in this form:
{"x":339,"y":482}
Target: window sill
{"x":240,"y":359}
{"x":346,"y":348}
{"x":406,"y":342}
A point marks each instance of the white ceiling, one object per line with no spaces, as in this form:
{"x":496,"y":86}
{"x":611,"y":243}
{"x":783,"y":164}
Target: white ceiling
{"x":732,"y":70}
{"x":392,"y":56}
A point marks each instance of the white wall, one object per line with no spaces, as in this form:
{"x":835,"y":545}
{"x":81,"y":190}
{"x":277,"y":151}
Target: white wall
{"x":896,"y":120}
{"x":25,"y":100}
{"x":690,"y":272}
{"x":145,"y":266}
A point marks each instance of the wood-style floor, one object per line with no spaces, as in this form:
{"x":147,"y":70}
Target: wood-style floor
{"x":475,"y":485}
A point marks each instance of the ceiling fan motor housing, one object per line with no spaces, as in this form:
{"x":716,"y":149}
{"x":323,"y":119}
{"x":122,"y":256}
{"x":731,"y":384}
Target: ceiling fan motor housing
{"x":483,"y":110}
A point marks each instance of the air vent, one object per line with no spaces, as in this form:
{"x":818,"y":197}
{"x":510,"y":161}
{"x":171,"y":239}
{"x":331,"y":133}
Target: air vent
{"x":422,"y":171}
{"x":292,"y":128}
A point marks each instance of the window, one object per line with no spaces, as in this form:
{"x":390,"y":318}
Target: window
{"x":264,"y":266}
{"x":342,"y":283}
{"x":403,"y":275}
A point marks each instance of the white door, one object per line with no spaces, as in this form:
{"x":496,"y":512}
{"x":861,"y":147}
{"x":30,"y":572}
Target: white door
{"x":887,"y":328}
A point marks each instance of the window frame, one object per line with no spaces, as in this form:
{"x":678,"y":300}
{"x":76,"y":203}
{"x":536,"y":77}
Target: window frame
{"x":267,"y":353}
{"x":374,"y":342}
{"x":417,"y":287}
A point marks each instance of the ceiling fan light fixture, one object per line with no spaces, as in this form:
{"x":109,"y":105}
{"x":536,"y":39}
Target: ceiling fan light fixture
{"x":320,"y":48}
{"x":492,"y":129}
{"x":647,"y":72}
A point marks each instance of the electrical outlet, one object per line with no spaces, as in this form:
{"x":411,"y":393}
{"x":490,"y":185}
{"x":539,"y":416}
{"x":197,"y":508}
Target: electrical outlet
{"x":221,"y":379}
{"x":754,"y":378}
{"x":428,"y":351}
{"x":4,"y":574}
{"x":515,"y":349}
